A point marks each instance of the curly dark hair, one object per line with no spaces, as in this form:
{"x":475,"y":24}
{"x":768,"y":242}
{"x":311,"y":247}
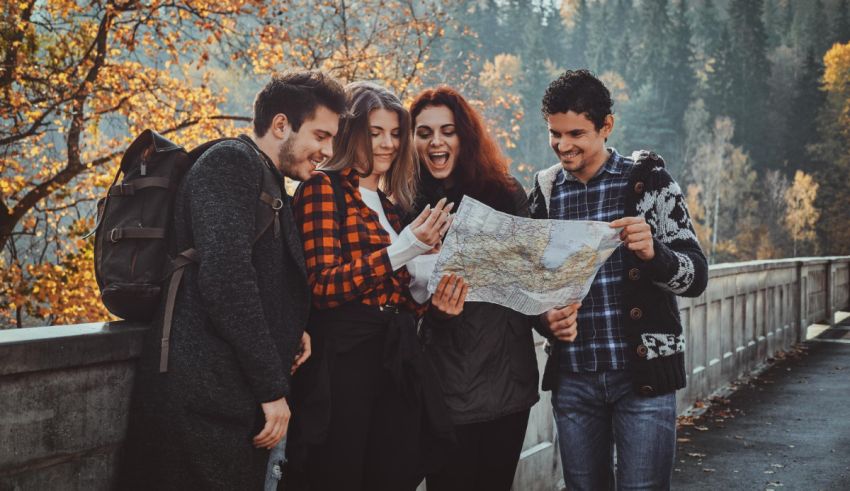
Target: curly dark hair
{"x":581,"y":92}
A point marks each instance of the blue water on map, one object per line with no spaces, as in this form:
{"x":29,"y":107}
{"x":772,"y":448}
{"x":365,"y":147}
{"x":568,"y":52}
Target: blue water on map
{"x":556,"y":253}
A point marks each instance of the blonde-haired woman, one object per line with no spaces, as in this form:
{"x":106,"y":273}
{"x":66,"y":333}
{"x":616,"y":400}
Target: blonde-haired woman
{"x":364,"y":396}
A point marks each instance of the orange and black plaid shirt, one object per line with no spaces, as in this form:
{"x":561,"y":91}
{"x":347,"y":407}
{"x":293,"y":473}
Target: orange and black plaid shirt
{"x":348,"y":261}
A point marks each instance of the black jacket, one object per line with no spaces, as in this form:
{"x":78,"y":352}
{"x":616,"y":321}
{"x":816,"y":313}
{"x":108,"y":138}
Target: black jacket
{"x":485,"y":356}
{"x":238,"y":319}
{"x":679,"y":267}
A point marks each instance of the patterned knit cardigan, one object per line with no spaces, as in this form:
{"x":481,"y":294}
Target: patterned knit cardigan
{"x":651,"y":313}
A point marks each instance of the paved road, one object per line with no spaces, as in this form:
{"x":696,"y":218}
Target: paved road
{"x":787,"y":430}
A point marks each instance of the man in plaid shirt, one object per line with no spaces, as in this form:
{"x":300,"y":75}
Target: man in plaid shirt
{"x":617,"y":358}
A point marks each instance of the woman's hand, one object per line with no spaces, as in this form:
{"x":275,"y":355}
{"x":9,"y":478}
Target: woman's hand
{"x":449,"y":296}
{"x":304,"y":352}
{"x":430,"y":226}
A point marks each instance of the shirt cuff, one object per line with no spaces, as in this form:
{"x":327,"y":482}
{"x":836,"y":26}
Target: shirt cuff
{"x":405,"y":248}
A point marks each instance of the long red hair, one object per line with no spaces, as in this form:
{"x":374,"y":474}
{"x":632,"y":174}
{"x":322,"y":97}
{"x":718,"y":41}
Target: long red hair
{"x":481,"y":169}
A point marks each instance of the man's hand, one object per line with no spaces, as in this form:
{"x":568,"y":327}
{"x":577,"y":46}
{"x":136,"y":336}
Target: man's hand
{"x":449,"y":296}
{"x":561,"y":322}
{"x":637,"y":236}
{"x":304,"y":352}
{"x":277,"y":420}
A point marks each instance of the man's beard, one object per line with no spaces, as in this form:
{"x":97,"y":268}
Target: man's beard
{"x":286,"y":155}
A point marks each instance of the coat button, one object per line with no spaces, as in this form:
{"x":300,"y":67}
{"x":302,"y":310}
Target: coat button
{"x":639,"y":187}
{"x":646,"y":390}
{"x":636,"y":313}
{"x":642,"y":351}
{"x":634,"y":274}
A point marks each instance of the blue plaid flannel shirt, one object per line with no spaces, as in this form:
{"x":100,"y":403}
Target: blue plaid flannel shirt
{"x":601,"y":343}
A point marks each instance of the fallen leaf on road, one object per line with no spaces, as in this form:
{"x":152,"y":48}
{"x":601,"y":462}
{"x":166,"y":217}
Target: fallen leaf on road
{"x":683,"y":440}
{"x":706,"y":469}
{"x":701,"y":428}
{"x":695,"y":454}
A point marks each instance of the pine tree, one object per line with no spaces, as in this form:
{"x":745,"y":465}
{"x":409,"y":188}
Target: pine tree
{"x":807,"y":31}
{"x":532,"y":144}
{"x":841,"y":22}
{"x":706,"y":27}
{"x":600,"y":44}
{"x":750,"y":70}
{"x":706,"y":39}
{"x":774,"y":14}
{"x":578,"y":37}
{"x":720,"y":80}
{"x":681,"y":82}
{"x":554,"y":34}
{"x":654,"y":35}
{"x":804,"y":110}
{"x":623,"y":58}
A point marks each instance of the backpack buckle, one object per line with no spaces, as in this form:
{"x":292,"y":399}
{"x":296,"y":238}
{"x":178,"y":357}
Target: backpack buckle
{"x":115,"y":235}
{"x":277,"y":204}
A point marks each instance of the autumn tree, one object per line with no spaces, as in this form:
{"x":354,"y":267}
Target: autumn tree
{"x":724,"y":172}
{"x":79,"y":80}
{"x":833,"y":172}
{"x":801,"y":216}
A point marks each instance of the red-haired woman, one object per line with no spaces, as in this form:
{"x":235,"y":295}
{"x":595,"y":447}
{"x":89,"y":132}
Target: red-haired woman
{"x":484,"y":355}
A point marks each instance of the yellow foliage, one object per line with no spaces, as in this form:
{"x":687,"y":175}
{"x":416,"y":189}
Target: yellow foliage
{"x":836,"y":74}
{"x":698,"y":218}
{"x":836,"y":81}
{"x":71,"y":106}
{"x":801,"y":215}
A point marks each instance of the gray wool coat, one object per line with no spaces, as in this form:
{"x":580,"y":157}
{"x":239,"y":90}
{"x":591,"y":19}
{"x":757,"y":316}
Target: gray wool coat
{"x":238,"y":319}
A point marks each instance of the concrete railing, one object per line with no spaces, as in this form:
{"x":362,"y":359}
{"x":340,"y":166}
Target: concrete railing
{"x":64,"y":397}
{"x":752,"y":310}
{"x":748,"y":313}
{"x":64,"y":390}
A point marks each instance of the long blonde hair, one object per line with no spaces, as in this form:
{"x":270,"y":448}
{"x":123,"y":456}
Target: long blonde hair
{"x":353,"y":142}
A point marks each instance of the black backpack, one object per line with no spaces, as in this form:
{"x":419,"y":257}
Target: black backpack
{"x":133,"y":252}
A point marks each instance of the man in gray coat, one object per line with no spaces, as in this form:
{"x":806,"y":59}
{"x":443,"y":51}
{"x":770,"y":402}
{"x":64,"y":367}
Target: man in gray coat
{"x":241,"y":309}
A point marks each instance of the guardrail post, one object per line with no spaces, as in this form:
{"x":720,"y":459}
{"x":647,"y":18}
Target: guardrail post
{"x":829,"y":279}
{"x":798,"y":315}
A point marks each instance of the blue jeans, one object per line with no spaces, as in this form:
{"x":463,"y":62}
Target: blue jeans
{"x":595,"y":413}
{"x":274,"y":470}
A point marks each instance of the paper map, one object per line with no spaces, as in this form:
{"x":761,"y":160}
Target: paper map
{"x":524,"y":264}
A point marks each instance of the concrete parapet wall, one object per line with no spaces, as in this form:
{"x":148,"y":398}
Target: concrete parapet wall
{"x":64,"y":395}
{"x":64,"y":390}
{"x":752,"y":310}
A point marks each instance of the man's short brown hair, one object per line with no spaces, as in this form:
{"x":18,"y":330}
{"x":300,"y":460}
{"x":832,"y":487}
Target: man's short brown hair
{"x":296,"y":94}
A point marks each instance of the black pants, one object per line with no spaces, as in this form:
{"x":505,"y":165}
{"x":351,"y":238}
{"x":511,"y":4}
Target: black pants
{"x":370,"y":445}
{"x":485,"y":458}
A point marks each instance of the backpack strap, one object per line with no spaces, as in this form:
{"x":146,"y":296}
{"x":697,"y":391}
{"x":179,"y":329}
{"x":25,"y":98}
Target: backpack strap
{"x":179,"y":264}
{"x":268,"y":210}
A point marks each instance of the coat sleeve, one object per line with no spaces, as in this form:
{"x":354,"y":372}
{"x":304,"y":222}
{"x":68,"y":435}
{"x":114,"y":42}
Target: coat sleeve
{"x":225,"y":185}
{"x":679,"y":265}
